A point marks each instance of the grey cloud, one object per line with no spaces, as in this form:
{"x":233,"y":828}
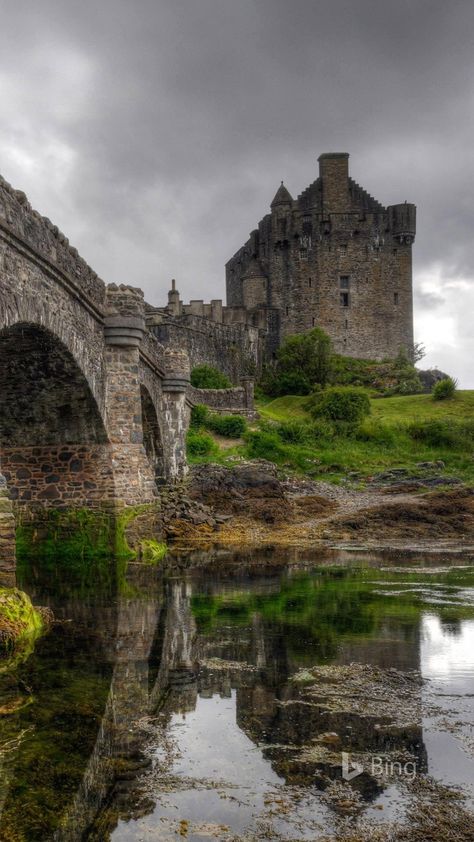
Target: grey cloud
{"x":179,"y":118}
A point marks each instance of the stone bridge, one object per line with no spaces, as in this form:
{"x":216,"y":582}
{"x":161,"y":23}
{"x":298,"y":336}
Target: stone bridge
{"x":93,"y":409}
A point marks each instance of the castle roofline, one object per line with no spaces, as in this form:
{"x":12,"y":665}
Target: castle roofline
{"x":282,"y":196}
{"x":326,"y":155}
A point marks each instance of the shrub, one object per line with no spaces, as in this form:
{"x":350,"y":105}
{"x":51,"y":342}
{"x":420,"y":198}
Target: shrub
{"x":263,"y":444}
{"x":231,"y":426}
{"x":208,"y":377}
{"x":442,"y":433}
{"x":200,"y":444}
{"x":199,"y":415}
{"x":322,"y":430}
{"x":294,"y":432}
{"x":444,"y":389}
{"x":376,"y":431}
{"x":341,"y":403}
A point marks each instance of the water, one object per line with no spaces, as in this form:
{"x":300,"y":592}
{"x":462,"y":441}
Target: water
{"x":217,"y":704}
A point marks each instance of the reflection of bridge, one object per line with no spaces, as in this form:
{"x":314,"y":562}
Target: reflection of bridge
{"x":154,"y":648}
{"x":93,"y":408}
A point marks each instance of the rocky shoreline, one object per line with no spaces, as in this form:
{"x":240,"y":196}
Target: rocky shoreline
{"x":253,"y":504}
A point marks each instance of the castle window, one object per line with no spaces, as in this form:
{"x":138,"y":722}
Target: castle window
{"x":282,"y":228}
{"x":344,"y":299}
{"x":395,"y":297}
{"x":309,"y":282}
{"x":344,"y":282}
{"x":287,"y":311}
{"x":303,"y":254}
{"x":343,"y":248}
{"x":307,"y":227}
{"x":313,"y":321}
{"x":346,"y":324}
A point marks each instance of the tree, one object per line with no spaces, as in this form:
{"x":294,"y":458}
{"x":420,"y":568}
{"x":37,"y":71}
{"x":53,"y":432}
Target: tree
{"x":306,"y":355}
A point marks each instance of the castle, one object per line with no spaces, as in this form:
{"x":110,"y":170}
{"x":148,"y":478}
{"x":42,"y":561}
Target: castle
{"x":334,"y":258}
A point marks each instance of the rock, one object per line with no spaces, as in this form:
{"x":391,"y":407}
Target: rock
{"x":429,"y":377}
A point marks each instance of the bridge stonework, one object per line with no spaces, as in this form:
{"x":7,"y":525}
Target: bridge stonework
{"x":93,"y":409}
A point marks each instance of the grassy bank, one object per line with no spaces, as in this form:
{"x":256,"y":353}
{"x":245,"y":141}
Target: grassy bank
{"x":400,"y":432}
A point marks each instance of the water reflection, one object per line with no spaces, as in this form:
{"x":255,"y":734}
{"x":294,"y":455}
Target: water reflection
{"x":191,"y":705}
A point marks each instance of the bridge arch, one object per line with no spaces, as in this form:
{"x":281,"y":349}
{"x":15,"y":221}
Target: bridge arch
{"x":53,"y":442}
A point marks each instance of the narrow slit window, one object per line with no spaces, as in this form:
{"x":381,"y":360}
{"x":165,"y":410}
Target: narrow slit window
{"x":344,"y":299}
{"x":395,"y":297}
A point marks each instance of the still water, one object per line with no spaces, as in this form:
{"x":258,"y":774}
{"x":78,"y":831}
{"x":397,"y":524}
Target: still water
{"x":220,"y":703}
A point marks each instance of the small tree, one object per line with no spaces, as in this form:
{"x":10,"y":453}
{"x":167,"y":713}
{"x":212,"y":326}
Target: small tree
{"x":305,"y":358}
{"x":208,"y":377}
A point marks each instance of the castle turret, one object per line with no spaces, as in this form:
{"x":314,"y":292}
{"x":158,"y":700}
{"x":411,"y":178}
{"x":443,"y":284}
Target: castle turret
{"x":334,"y":175}
{"x":282,"y":197}
{"x":402,"y":222}
{"x":174,"y":306}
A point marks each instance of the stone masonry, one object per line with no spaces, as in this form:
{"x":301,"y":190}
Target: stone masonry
{"x":93,"y":408}
{"x":333,"y":258}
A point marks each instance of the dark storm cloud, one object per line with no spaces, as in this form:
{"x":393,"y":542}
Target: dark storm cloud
{"x":155,"y":133}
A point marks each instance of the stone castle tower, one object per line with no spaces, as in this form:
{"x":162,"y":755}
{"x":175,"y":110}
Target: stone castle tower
{"x":334,"y":258}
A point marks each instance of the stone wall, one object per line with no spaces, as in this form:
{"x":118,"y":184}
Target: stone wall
{"x":238,"y":401}
{"x":65,"y":475}
{"x":231,"y":348}
{"x":7,"y":529}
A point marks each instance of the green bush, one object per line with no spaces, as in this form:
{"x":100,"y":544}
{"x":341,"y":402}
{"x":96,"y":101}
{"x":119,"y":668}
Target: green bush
{"x":208,"y":377}
{"x":321,"y":430}
{"x":231,"y":426}
{"x":444,"y":389}
{"x":264,"y":444}
{"x":340,"y":403}
{"x":294,"y":432}
{"x":199,"y":416}
{"x":376,"y":431}
{"x":200,"y":444}
{"x":442,"y":433}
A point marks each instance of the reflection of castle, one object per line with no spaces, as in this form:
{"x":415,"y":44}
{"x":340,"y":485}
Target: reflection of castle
{"x":161,"y":662}
{"x":334,"y":258}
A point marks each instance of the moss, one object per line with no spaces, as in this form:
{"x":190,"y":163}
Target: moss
{"x":91,"y":546}
{"x":153,"y":551}
{"x":20,"y":625}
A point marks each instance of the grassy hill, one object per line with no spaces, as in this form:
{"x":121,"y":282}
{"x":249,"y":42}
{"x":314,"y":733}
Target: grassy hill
{"x":394,"y":410}
{"x":401,"y":432}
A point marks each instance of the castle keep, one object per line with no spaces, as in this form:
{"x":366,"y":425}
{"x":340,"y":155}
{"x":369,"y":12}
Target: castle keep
{"x":333,"y":258}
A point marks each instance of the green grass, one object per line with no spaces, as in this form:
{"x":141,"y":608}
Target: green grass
{"x":382,"y":443}
{"x":408,"y":408}
{"x":402,"y":409}
{"x":283,"y":409}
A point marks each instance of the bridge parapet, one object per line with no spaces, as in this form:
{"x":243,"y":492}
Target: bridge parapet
{"x":20,"y":221}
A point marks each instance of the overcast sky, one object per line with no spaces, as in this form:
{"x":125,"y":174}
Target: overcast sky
{"x":155,"y":133}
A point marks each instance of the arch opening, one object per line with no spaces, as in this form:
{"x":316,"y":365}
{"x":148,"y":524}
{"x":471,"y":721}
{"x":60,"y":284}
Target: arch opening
{"x":53,"y":443}
{"x":152,"y":440}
